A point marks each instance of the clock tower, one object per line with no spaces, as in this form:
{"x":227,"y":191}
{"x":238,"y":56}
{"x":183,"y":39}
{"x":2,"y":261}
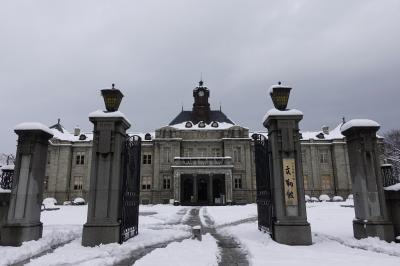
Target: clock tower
{"x":201,"y":107}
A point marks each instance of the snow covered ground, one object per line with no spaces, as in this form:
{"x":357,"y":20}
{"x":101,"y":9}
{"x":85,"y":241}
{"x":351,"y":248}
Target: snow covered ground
{"x":331,"y":225}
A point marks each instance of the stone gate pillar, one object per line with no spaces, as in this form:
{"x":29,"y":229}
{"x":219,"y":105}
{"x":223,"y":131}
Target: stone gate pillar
{"x":290,"y":224}
{"x":103,"y":226}
{"x":369,"y":197}
{"x":23,"y":218}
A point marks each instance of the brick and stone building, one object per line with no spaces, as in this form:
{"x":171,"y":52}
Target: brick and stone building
{"x":201,"y":157}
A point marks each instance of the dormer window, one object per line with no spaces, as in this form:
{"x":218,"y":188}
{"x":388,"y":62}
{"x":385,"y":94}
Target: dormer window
{"x":320,"y":136}
{"x":82,"y":137}
{"x":202,"y":124}
{"x":188,"y":124}
{"x":214,"y":124}
{"x":147,"y":136}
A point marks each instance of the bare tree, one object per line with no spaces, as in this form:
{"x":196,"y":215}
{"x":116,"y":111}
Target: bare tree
{"x":392,"y":150}
{"x":6,"y":159}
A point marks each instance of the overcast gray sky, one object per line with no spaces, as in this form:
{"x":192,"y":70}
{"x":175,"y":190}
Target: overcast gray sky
{"x":341,"y":57}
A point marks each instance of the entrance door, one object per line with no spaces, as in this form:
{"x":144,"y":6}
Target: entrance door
{"x":218,"y":189}
{"x":202,"y":190}
{"x":187,"y":191}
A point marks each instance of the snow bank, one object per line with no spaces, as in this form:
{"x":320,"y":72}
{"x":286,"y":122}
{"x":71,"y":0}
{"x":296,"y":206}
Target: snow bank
{"x":324,"y":197}
{"x":337,"y":198}
{"x":5,"y":190}
{"x":395,"y":187}
{"x":223,"y":215}
{"x":262,"y":250}
{"x":52,"y":236}
{"x":359,"y":123}
{"x":33,"y":126}
{"x":110,"y":254}
{"x":188,"y":252}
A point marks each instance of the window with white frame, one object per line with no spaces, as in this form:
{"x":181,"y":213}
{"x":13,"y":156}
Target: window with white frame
{"x":237,"y":179}
{"x":167,"y":155}
{"x":237,"y":155}
{"x":188,"y":152}
{"x":326,"y":182}
{"x":202,"y":152}
{"x":146,"y":158}
{"x":80,"y":158}
{"x":146,"y":182}
{"x":166,"y":182}
{"x":323,"y":157}
{"x":78,"y":183}
{"x":216,"y":152}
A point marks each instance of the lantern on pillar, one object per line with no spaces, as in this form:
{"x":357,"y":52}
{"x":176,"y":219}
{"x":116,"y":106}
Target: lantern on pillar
{"x":280,"y":96}
{"x":112,"y":98}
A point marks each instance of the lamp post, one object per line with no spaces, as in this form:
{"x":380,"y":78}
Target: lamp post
{"x":280,"y":96}
{"x":112,"y":98}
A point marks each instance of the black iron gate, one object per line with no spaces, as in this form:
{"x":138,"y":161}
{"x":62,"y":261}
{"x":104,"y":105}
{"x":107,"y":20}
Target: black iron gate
{"x":130,"y":188}
{"x":263,"y":182}
{"x":6,"y":178}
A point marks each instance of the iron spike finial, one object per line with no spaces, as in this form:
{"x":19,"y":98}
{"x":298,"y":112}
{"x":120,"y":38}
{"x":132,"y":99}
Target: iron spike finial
{"x":113,"y":86}
{"x":279,"y":83}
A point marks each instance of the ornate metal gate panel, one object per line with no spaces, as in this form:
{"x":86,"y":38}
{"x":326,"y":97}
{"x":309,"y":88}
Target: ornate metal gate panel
{"x":6,"y":178}
{"x":263,"y":183}
{"x":130,"y":188}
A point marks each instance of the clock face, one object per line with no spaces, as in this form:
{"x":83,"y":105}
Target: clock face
{"x":201,"y":93}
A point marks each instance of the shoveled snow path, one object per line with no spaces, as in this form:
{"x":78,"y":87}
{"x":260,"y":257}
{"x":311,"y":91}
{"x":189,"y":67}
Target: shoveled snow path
{"x":231,"y":251}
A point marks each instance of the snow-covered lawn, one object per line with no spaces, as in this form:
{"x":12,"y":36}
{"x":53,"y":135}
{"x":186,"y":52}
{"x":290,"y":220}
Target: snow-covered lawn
{"x":188,"y":252}
{"x":331,"y":225}
{"x":333,"y":241}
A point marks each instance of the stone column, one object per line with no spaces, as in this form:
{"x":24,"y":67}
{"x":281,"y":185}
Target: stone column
{"x":177,"y":186}
{"x":228,"y":187}
{"x":369,"y":198}
{"x":104,"y":211}
{"x":23,"y":218}
{"x":210,"y":190}
{"x":291,"y":226}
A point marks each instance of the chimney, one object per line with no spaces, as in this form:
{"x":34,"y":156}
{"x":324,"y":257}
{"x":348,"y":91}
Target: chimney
{"x":325,"y":130}
{"x":77,"y":131}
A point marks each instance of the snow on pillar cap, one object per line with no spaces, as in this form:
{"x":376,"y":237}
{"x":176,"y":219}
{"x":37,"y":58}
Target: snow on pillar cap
{"x":100,"y":113}
{"x":33,"y":126}
{"x":359,"y":123}
{"x":276,"y":112}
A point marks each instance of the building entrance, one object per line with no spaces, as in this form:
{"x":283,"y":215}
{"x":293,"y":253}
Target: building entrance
{"x":203,"y":189}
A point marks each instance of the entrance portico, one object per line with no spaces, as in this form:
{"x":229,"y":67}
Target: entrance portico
{"x":202,"y":180}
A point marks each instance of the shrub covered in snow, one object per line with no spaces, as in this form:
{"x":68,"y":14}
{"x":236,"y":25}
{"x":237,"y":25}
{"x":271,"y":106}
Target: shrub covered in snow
{"x":307,"y":198}
{"x":49,"y":202}
{"x":314,"y":199}
{"x":79,"y":201}
{"x":337,"y":198}
{"x":68,"y":202}
{"x":324,"y":197}
{"x":350,"y":196}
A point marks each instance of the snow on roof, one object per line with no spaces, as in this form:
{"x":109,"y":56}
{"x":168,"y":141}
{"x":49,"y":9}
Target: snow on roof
{"x":333,"y":134}
{"x":221,"y":125}
{"x":100,"y":113}
{"x":67,"y":136}
{"x":7,"y":167}
{"x":142,"y":135}
{"x":359,"y":123}
{"x":33,"y":126}
{"x":276,"y":112}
